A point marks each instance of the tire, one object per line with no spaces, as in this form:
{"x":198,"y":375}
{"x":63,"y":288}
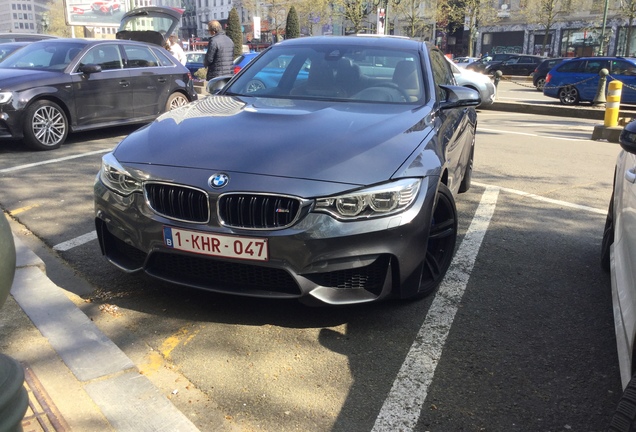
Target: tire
{"x":468,"y":172}
{"x":176,"y":100}
{"x":624,"y":418}
{"x":441,"y":242}
{"x":569,"y":95}
{"x":608,"y":236}
{"x":254,"y":86}
{"x":540,"y":83}
{"x":45,"y":125}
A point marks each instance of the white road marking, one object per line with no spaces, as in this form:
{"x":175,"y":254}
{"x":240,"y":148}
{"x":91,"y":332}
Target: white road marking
{"x":546,"y":135}
{"x":77,"y":241}
{"x":31,"y":165}
{"x":401,"y":409}
{"x":547,"y":200}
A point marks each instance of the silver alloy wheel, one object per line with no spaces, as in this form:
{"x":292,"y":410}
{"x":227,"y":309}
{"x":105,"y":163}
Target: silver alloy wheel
{"x":176,"y":100}
{"x":48,"y":125}
{"x":254,"y":85}
{"x":540,"y":84}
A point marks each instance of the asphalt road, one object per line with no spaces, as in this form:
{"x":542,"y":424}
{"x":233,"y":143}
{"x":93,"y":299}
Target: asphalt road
{"x":520,"y":338}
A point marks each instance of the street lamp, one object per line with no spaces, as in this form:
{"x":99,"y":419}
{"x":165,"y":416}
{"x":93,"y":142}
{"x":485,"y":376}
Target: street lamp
{"x":382,"y":9}
{"x":602,"y":48}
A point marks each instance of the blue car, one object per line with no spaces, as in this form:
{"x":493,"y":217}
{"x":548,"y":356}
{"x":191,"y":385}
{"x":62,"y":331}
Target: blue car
{"x":194,"y":61}
{"x":577,"y":80}
{"x":241,"y":61}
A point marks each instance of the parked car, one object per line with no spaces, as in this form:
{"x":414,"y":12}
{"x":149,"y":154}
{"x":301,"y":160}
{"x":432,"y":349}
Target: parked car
{"x":462,"y":62}
{"x":576,"y":80}
{"x":8,"y":48}
{"x":241,"y":61}
{"x":152,"y":24}
{"x":476,"y":81}
{"x":194,"y":61}
{"x":618,"y":256}
{"x":518,"y":65}
{"x":52,"y":87}
{"x":337,"y":188}
{"x":480,"y":65}
{"x":539,"y":74}
{"x":23,"y":37}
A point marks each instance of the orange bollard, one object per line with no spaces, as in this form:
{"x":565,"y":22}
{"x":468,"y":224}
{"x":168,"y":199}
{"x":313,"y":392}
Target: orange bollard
{"x":612,"y":107}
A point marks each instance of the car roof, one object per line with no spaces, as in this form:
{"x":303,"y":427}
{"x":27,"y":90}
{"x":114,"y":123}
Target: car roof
{"x":378,"y":41}
{"x":23,"y":37}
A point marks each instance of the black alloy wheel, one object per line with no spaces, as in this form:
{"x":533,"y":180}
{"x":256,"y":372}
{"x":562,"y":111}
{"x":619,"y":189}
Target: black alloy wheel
{"x":468,"y":172}
{"x":608,"y":236}
{"x":45,"y":125}
{"x":441,"y":242}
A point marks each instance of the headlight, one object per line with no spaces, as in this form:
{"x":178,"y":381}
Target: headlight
{"x":377,"y":201}
{"x":5,"y":97}
{"x":116,"y":178}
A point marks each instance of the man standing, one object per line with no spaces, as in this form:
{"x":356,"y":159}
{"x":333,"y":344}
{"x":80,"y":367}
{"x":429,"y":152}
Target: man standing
{"x":218,"y":59}
{"x":175,"y":49}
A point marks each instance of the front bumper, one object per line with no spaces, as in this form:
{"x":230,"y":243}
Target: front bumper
{"x":332,"y":261}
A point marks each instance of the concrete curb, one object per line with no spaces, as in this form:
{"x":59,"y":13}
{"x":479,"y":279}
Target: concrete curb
{"x":127,"y":399}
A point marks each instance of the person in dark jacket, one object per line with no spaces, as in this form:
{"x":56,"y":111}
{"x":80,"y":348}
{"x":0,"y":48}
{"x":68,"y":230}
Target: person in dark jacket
{"x":218,"y":59}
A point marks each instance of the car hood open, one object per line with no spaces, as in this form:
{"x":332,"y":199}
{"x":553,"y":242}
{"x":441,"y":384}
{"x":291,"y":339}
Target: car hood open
{"x":354,"y":143}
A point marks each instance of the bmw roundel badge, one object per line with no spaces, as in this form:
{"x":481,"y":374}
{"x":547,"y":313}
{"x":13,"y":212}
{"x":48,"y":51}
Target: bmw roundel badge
{"x":219,"y":180}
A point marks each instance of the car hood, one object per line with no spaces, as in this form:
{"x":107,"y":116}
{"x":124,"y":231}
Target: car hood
{"x":354,"y":143}
{"x":12,"y":78}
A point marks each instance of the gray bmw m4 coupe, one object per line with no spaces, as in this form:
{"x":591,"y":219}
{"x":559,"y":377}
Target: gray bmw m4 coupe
{"x":326,"y":170}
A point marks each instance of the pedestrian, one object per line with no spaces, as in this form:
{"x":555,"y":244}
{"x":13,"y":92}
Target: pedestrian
{"x":218,"y":59}
{"x":175,"y":49}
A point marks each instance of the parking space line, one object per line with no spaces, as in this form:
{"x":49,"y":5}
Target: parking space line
{"x":544,"y":199}
{"x":77,"y":241}
{"x":401,"y":410}
{"x":62,"y":159}
{"x":547,"y":135}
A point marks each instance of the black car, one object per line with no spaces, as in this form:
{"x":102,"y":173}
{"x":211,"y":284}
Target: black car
{"x":539,"y":74}
{"x":518,"y":65}
{"x":55,"y":86}
{"x":335,"y":185}
{"x":481,"y":64}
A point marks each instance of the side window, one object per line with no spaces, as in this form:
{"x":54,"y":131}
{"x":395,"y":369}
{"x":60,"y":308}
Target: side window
{"x":442,"y":74}
{"x":571,"y":66}
{"x":139,"y":56}
{"x":107,"y":56}
{"x":163,"y":59}
{"x":621,"y":67}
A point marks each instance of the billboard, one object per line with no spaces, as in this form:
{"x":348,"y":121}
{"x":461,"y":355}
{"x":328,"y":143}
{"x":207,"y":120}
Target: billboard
{"x":96,"y":13}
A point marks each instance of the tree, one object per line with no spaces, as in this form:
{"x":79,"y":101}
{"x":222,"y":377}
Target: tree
{"x":417,"y":17}
{"x":292,"y":28}
{"x":57,"y":21}
{"x":472,"y":13}
{"x":233,"y":31}
{"x":628,"y":11}
{"x":545,"y":12}
{"x":354,"y":12}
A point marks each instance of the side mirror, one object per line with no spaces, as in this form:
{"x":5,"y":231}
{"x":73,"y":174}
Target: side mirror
{"x":217,"y":84}
{"x":457,"y":96}
{"x":627,"y":138}
{"x":90,"y":69}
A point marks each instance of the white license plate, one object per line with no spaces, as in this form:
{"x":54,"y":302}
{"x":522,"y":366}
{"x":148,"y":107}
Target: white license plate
{"x":246,"y":248}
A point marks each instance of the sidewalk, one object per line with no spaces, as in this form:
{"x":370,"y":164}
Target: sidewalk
{"x":78,"y":379}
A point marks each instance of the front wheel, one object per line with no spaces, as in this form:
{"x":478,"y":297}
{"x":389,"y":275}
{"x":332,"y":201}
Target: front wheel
{"x":176,"y":100}
{"x":569,"y":95}
{"x":441,"y":242}
{"x":45,"y":125}
{"x":608,"y":236}
{"x":624,"y":419}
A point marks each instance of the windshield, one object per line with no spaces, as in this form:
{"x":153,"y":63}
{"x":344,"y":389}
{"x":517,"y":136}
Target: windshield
{"x":333,"y":73}
{"x":43,"y":55}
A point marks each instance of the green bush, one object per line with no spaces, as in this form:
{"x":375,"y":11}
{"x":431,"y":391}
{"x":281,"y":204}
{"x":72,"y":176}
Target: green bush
{"x":201,"y":73}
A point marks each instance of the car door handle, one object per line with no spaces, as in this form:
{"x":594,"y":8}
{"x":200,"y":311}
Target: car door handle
{"x":124,"y":83}
{"x":630,"y":175}
{"x":162,"y":80}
